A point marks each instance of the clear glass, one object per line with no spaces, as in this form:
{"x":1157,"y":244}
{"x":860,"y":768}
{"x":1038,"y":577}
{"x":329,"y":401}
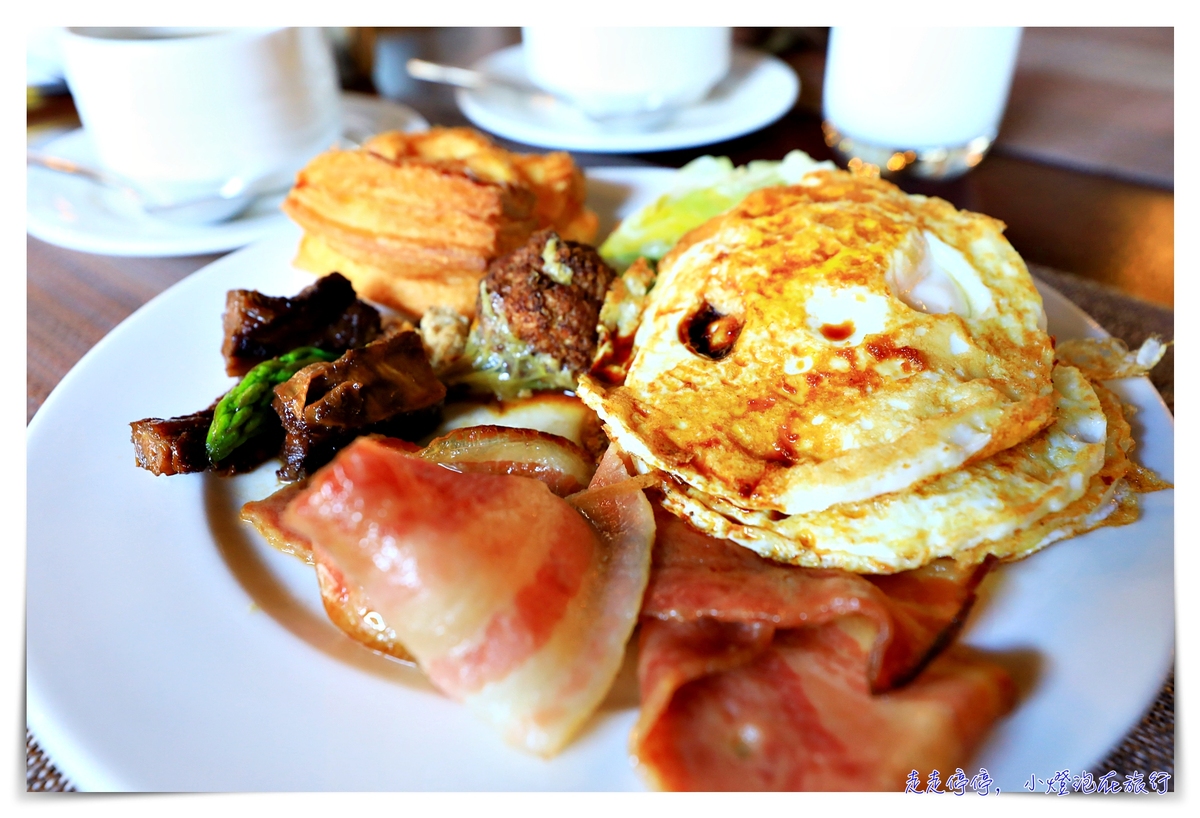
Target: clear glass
{"x":921,"y":101}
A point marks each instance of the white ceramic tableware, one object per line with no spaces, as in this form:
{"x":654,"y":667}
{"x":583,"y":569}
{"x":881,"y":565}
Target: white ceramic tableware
{"x":182,"y":111}
{"x":81,"y":215}
{"x":169,"y":648}
{"x":609,"y":71}
{"x":758,"y":90}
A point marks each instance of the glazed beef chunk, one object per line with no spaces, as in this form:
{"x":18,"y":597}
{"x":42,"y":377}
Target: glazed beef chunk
{"x":550,"y":292}
{"x":386,"y":387}
{"x":172,"y":445}
{"x":326,"y":314}
{"x":176,"y":445}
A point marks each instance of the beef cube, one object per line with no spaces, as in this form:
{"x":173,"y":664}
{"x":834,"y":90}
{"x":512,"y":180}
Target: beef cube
{"x":173,"y":445}
{"x":386,"y":387}
{"x":326,"y":314}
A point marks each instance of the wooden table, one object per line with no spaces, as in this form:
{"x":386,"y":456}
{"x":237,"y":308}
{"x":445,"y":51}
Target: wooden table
{"x":1108,"y":231}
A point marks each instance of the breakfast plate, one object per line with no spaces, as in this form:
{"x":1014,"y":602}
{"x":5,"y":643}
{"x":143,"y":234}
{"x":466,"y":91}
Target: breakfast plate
{"x":169,"y":648}
{"x":758,"y":90}
{"x":79,"y":215}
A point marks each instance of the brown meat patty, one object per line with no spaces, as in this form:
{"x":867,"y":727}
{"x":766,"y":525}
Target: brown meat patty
{"x":558,"y":319}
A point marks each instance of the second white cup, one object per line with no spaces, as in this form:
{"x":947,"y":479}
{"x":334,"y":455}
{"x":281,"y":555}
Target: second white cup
{"x":609,"y":71}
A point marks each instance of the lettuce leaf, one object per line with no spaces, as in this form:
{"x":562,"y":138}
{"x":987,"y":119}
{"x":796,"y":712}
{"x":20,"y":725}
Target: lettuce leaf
{"x":704,"y":188}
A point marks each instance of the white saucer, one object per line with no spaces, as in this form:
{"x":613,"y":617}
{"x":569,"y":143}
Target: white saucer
{"x":758,"y":90}
{"x":80,"y":215}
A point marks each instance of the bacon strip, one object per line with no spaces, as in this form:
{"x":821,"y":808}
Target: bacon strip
{"x":760,"y":676}
{"x":510,"y":599}
{"x":555,"y":461}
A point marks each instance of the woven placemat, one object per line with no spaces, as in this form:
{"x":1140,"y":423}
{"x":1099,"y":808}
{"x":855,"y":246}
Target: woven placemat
{"x":1151,"y":745}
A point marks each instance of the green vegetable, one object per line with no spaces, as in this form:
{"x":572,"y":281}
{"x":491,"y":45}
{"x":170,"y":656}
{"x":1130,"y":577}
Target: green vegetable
{"x":705,"y":187}
{"x":243,"y":411}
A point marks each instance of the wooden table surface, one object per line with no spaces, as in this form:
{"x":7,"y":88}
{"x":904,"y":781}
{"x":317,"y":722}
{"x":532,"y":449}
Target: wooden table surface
{"x":1097,"y":226}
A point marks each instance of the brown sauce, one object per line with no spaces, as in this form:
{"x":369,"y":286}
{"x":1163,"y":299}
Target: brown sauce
{"x":838,"y":332}
{"x":710,"y":334}
{"x":882,"y":348}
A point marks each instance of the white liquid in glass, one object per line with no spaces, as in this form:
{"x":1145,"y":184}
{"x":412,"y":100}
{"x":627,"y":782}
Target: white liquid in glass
{"x":919,"y":87}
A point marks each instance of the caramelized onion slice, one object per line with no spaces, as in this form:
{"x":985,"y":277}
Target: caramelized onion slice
{"x":560,"y":464}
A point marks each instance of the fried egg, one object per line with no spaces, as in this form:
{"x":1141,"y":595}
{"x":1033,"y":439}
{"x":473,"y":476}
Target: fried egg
{"x":1111,"y":497}
{"x":983,"y":502}
{"x":828,"y":343}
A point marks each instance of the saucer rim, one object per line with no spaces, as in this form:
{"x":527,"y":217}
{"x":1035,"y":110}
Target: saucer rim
{"x":485,"y":116}
{"x":183,"y":240}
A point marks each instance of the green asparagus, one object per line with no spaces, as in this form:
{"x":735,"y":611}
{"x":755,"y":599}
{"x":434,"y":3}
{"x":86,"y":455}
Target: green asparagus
{"x":245,"y":408}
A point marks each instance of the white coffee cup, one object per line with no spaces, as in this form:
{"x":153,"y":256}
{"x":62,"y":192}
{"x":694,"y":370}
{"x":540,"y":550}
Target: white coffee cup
{"x":627,"y":70}
{"x":186,"y":110}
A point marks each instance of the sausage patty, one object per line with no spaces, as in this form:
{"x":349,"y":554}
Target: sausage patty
{"x":558,"y":319}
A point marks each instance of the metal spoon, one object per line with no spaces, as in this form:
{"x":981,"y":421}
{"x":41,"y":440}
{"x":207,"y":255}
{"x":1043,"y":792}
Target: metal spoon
{"x":232,"y":199}
{"x":650,"y":115}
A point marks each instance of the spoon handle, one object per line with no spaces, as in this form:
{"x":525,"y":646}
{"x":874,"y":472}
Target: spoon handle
{"x":66,"y":166}
{"x":647,"y":117}
{"x":466,"y":77}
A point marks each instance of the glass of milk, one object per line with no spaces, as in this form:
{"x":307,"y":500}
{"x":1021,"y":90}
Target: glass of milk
{"x":924,"y":102}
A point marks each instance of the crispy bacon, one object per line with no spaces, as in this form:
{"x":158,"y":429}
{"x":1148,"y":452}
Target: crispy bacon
{"x":798,"y":714}
{"x":510,"y":599}
{"x":266,"y":515}
{"x":759,"y":676}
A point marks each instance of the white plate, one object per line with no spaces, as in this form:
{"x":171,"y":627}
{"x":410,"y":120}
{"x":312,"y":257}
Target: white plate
{"x":758,"y":90}
{"x":80,"y":215}
{"x":168,"y":648}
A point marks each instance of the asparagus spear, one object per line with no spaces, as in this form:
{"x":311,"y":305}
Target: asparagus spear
{"x":244,"y":409}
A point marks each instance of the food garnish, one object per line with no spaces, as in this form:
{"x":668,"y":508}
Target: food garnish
{"x":307,"y":402}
